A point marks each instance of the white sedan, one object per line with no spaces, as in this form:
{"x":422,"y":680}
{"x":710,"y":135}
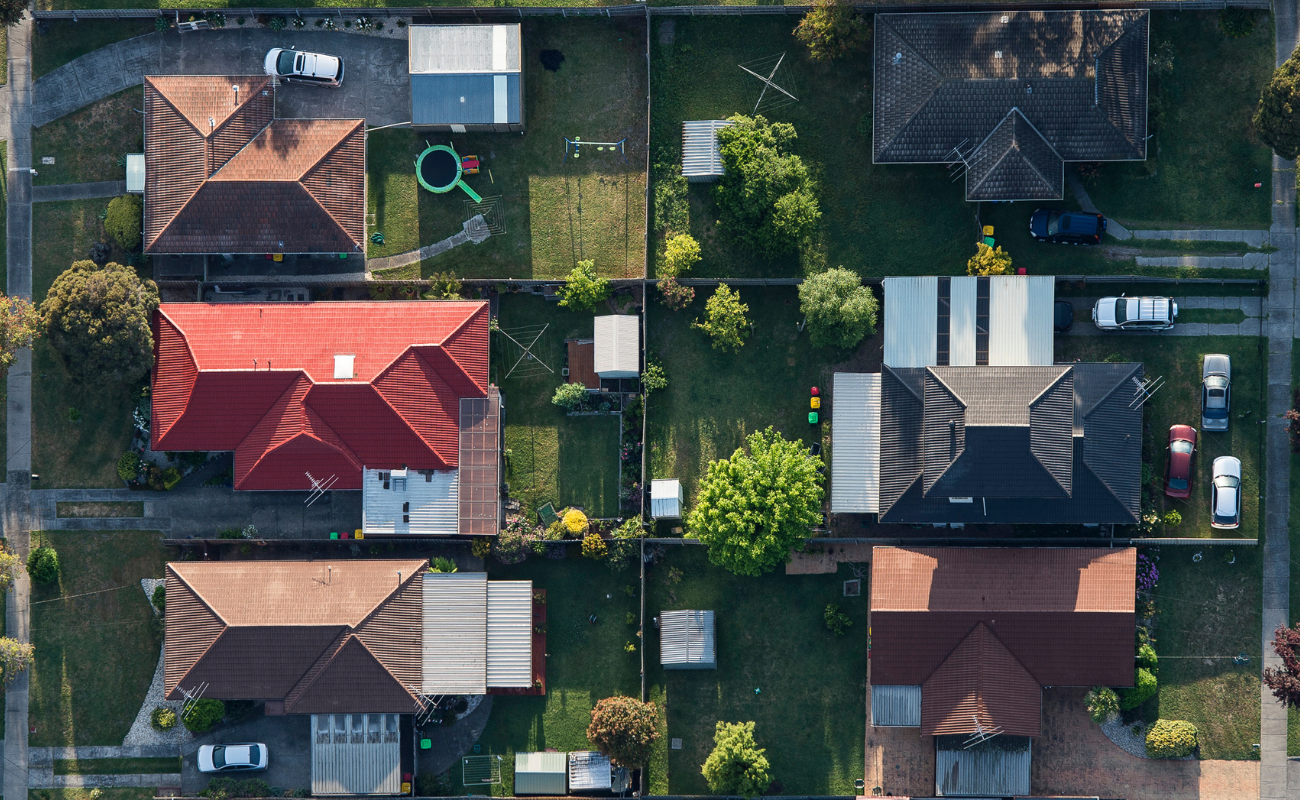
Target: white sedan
{"x":1225,"y":493}
{"x":303,"y":67}
{"x":232,"y":757}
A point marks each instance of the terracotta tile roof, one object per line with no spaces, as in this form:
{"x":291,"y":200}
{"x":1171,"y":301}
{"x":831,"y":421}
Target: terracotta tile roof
{"x":223,"y":176}
{"x":259,"y":380}
{"x":981,"y":681}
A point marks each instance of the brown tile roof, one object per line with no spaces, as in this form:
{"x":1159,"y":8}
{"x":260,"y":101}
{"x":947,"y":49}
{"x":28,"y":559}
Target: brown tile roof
{"x":981,"y":681}
{"x":223,"y":176}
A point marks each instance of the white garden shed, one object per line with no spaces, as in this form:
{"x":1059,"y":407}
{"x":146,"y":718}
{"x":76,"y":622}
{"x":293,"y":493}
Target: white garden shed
{"x":701,"y":153}
{"x":590,"y":771}
{"x":618,"y":346}
{"x":687,"y":640}
{"x":541,"y":773}
{"x":666,"y":498}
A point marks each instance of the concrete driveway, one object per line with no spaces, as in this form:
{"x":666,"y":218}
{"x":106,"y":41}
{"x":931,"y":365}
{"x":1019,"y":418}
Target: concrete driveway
{"x":287,"y":740}
{"x":375,"y":84}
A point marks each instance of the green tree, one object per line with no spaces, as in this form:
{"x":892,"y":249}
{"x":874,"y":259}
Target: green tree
{"x":724,"y":319}
{"x":840,"y":310}
{"x":737,"y":764}
{"x":758,"y":505}
{"x":1277,"y":119}
{"x":653,"y":379}
{"x":988,"y":261}
{"x":625,"y":729}
{"x":15,"y":657}
{"x":569,"y":395}
{"x":584,"y":289}
{"x":98,"y":319}
{"x":43,"y":565}
{"x":22,"y":324}
{"x":10,"y":566}
{"x":11,"y":11}
{"x":767,"y":198}
{"x":675,"y":295}
{"x":125,"y":220}
{"x":832,"y":28}
{"x":681,"y":252}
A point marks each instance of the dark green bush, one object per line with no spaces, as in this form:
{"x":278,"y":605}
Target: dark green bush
{"x":128,"y":465}
{"x":43,"y":565}
{"x":1146,"y":656}
{"x":125,"y":220}
{"x":203,"y":714}
{"x":1144,"y":686}
{"x":160,"y":598}
{"x":1237,"y":23}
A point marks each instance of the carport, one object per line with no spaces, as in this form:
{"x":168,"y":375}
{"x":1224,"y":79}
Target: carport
{"x":855,"y":443}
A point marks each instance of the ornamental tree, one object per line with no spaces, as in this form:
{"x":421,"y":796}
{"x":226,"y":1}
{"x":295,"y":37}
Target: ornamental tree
{"x":569,"y":395}
{"x":11,"y":11}
{"x":681,"y":252}
{"x":988,"y":261}
{"x":98,"y":319}
{"x":724,"y":319}
{"x":737,"y":764}
{"x":756,"y":506}
{"x":840,"y":310}
{"x":625,"y":729}
{"x":21,"y":324}
{"x":15,"y":657}
{"x":832,"y":28}
{"x":10,"y":566}
{"x":43,"y":565}
{"x":767,"y":197}
{"x":1277,"y":118}
{"x":1102,"y":703}
{"x":1285,"y":681}
{"x":677,"y":296}
{"x":584,"y":289}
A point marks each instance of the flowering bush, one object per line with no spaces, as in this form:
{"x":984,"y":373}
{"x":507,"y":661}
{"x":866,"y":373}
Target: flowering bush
{"x":675,"y":295}
{"x":593,"y":546}
{"x":1171,"y":738}
{"x":1147,"y":574}
{"x":514,"y":542}
{"x":575,"y":521}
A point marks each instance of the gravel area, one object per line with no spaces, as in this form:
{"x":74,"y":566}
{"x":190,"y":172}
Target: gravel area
{"x":149,"y":585}
{"x":142,"y":732}
{"x":1122,"y":735}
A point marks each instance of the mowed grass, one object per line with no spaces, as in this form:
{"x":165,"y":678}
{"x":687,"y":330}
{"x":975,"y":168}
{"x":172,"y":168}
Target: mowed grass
{"x":117,"y":766}
{"x":586,"y":662}
{"x":1178,"y":360}
{"x":1209,"y":610}
{"x":85,"y":794}
{"x":1204,"y":161}
{"x":556,"y":212}
{"x":67,"y":40}
{"x":87,"y":144}
{"x":878,"y":220}
{"x":553,"y":458}
{"x":95,"y":651}
{"x":778,"y":666}
{"x":105,"y":509}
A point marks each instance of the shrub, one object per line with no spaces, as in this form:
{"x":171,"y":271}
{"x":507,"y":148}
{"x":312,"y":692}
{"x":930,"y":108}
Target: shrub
{"x":680,"y":254}
{"x":1146,"y":656}
{"x":836,"y":620}
{"x":625,"y":729}
{"x":724,"y":319}
{"x":125,"y":220}
{"x":170,"y":477}
{"x":575,"y":521}
{"x":653,"y":379}
{"x":556,"y":531}
{"x":481,"y":548}
{"x":675,"y":295}
{"x":584,"y":289}
{"x":594,"y":547}
{"x":671,"y":208}
{"x":443,"y":565}
{"x":1102,"y":703}
{"x":767,"y":199}
{"x":128,"y":465}
{"x":203,"y":714}
{"x":510,"y":547}
{"x":162,"y":719}
{"x":98,"y":318}
{"x":43,"y":565}
{"x":1237,"y":23}
{"x":988,"y":261}
{"x":159,"y":598}
{"x":737,"y":764}
{"x":1144,"y":686}
{"x":1173,"y":518}
{"x":569,"y":395}
{"x":15,"y":657}
{"x":1171,"y":738}
{"x":840,"y":310}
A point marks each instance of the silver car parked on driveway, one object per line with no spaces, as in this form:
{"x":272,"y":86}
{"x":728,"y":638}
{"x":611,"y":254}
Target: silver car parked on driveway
{"x":1216,"y":392}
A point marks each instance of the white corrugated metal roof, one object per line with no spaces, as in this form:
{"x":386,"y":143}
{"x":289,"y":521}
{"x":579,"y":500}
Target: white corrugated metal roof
{"x":896,"y":706}
{"x":961,"y":321}
{"x":464,"y":49}
{"x":541,"y":773}
{"x":911,"y":314}
{"x":589,"y":771}
{"x":423,"y":502}
{"x":985,"y":770}
{"x":135,"y":173}
{"x":509,"y":634}
{"x":666,"y":499}
{"x":1020,"y":320}
{"x":455,"y":633}
{"x":701,"y":159}
{"x":687,"y":640}
{"x":355,"y":754}
{"x":618,"y":346}
{"x":855,"y":443}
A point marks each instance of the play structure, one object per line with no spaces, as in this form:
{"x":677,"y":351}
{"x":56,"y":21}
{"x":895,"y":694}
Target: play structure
{"x":576,"y":144}
{"x":440,"y":169}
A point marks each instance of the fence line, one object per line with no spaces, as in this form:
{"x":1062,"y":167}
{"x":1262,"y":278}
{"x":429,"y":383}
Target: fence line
{"x":976,"y":541}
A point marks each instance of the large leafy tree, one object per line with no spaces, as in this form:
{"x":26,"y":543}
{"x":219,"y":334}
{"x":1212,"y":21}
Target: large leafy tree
{"x":755,"y":506}
{"x":724,"y":319}
{"x":832,"y":28}
{"x":840,"y":310}
{"x":1285,"y":681}
{"x":11,"y":11}
{"x":767,"y":197}
{"x":737,"y":765}
{"x":1277,"y":119}
{"x":21,"y":324}
{"x":98,"y":319}
{"x":584,"y":289}
{"x":624,"y":728}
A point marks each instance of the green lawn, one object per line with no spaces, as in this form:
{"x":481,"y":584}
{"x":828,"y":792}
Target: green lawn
{"x":1212,"y":316}
{"x":85,"y":794}
{"x":715,"y":399}
{"x":585,"y":662}
{"x":878,"y":220}
{"x":124,"y":508}
{"x":553,"y":457}
{"x":809,"y":710}
{"x":87,"y":144}
{"x":1204,"y":160}
{"x":555,"y":212}
{"x":1208,"y":612}
{"x":1178,"y":360}
{"x":67,"y":40}
{"x":236,"y":6}
{"x":96,"y":652}
{"x":117,"y":766}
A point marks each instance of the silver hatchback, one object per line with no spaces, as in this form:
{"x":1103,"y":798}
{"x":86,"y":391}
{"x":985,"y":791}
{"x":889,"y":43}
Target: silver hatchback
{"x":1216,"y":392}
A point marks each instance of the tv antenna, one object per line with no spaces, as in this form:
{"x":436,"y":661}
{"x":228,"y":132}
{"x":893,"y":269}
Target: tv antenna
{"x":769,"y":82}
{"x":191,"y":696}
{"x":981,"y":734}
{"x":318,"y":487}
{"x":1144,"y":390}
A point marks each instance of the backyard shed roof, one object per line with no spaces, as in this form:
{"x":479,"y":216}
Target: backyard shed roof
{"x":466,"y":74}
{"x":666,"y":498}
{"x":589,"y":771}
{"x":701,"y":152}
{"x":618,"y":346}
{"x":541,"y":773}
{"x":354,"y":754}
{"x":998,"y":767}
{"x":855,"y":443}
{"x":509,"y":634}
{"x":687,"y":640}
{"x":896,"y":706}
{"x":455,"y":633}
{"x":407,"y":501}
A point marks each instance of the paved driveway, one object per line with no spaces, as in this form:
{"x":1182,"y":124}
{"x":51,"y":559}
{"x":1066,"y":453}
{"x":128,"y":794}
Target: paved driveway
{"x":287,"y":740}
{"x":375,"y":84}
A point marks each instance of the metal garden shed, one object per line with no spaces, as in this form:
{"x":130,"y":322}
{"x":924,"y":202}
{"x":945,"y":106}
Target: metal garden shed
{"x":466,"y":78}
{"x":590,"y":771}
{"x":541,"y":773}
{"x":666,"y":498}
{"x":701,"y":156}
{"x":618,"y":346}
{"x":687,"y":640}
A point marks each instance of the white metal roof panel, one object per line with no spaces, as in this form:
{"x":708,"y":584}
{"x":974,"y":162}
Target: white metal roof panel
{"x":509,"y":634}
{"x":666,"y":498}
{"x":985,"y":770}
{"x":1020,"y":320}
{"x":464,"y":49}
{"x":855,"y":443}
{"x":589,"y":771}
{"x":896,"y":706}
{"x":354,"y":754}
{"x":701,"y":156}
{"x":687,"y":640}
{"x":455,"y":633}
{"x":911,"y":319}
{"x":421,"y":503}
{"x":618,"y":346}
{"x":961,"y":321}
{"x":541,"y":773}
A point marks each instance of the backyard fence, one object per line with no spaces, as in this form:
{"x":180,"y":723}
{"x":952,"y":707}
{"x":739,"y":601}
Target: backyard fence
{"x":1099,"y":540}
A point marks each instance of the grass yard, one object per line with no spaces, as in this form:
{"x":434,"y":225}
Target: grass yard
{"x":1178,"y":360}
{"x":236,"y":5}
{"x":85,"y":794}
{"x":1203,"y":163}
{"x":117,"y":766}
{"x":108,"y":509}
{"x":67,"y":40}
{"x":1208,"y":612}
{"x":555,"y":213}
{"x":715,"y":399}
{"x":96,"y":652}
{"x":586,"y":662}
{"x":553,"y":457}
{"x":1212,"y":316}
{"x":810,"y":712}
{"x":878,"y":220}
{"x":87,"y":144}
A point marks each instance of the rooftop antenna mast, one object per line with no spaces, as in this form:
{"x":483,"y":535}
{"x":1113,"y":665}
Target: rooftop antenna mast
{"x":191,"y":696}
{"x":318,"y":487}
{"x":1144,"y":390}
{"x":981,"y":734}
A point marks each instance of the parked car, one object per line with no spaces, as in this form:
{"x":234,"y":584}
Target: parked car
{"x":1216,"y":391}
{"x":1062,"y":316}
{"x":304,"y":67}
{"x":233,"y":757}
{"x":1135,"y":313}
{"x":1066,"y":227}
{"x":1225,"y":493}
{"x":1179,"y":456}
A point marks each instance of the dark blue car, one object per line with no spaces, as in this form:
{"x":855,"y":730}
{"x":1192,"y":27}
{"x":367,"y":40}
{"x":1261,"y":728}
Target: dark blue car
{"x":1066,"y":227}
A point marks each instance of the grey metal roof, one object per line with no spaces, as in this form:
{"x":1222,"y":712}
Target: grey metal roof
{"x":473,"y":99}
{"x":701,"y":153}
{"x":997,"y":767}
{"x":910,"y":318}
{"x":541,"y":773}
{"x":1016,"y":92}
{"x":1020,"y":319}
{"x":589,"y":771}
{"x":416,"y":502}
{"x":687,"y":640}
{"x":455,"y":633}
{"x":509,"y":634}
{"x":355,"y":754}
{"x":855,"y":443}
{"x":896,"y":706}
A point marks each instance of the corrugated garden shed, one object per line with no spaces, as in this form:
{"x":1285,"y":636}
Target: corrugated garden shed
{"x":589,"y":771}
{"x":855,"y":443}
{"x":701,"y":156}
{"x":466,"y":77}
{"x":687,"y":640}
{"x":354,"y":754}
{"x":541,"y":773}
{"x":666,"y":498}
{"x":618,"y":346}
{"x":478,"y":634}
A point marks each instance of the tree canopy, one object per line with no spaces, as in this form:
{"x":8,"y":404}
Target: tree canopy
{"x":11,"y":11}
{"x":98,"y":319}
{"x":624,"y":728}
{"x":584,"y":289}
{"x":988,"y":261}
{"x":754,"y":507}
{"x":841,"y":311}
{"x":1277,"y":119}
{"x":737,"y":764}
{"x":767,"y":198}
{"x":724,"y":319}
{"x":1285,"y":680}
{"x":831,"y":29}
{"x":22,"y":324}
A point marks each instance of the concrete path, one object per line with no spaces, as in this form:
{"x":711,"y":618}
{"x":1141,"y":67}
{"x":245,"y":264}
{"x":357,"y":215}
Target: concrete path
{"x":375,"y":85}
{"x":42,"y":780}
{"x":1254,"y":238}
{"x":77,"y":191}
{"x":473,"y":230}
{"x":41,"y":770}
{"x":1085,"y":202}
{"x":46,"y":756}
{"x":1247,"y":261}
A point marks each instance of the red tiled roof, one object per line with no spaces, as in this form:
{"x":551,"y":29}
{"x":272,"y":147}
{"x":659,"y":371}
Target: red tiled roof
{"x":223,"y":176}
{"x":259,"y":380}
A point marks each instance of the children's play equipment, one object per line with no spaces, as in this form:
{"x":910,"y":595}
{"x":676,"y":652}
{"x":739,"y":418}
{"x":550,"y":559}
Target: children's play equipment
{"x":439,"y":169}
{"x":577,"y":143}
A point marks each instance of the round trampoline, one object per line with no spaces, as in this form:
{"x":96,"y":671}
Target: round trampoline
{"x":439,"y":170}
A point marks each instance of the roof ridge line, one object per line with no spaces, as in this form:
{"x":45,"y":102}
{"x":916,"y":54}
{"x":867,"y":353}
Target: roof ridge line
{"x":1112,"y":390}
{"x":1066,"y":369}
{"x":894,"y":372}
{"x":942,"y":79}
{"x":301,"y":179}
{"x":1119,"y":502}
{"x":291,"y":387}
{"x":406,"y":582}
{"x":398,"y":414}
{"x":193,"y":359}
{"x":225,"y":626}
{"x":312,"y":674}
{"x":442,"y":349}
{"x":347,"y":451}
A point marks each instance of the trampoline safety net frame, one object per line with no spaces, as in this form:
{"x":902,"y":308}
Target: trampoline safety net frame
{"x":480,"y":770}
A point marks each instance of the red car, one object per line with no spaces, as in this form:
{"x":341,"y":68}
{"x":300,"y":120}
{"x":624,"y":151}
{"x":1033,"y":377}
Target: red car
{"x":1178,"y":461}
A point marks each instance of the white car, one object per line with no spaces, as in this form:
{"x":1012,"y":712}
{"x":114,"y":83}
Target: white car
{"x":304,"y":67}
{"x":1216,"y":392}
{"x":1135,"y":313}
{"x":1225,"y":493}
{"x":233,"y":757}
